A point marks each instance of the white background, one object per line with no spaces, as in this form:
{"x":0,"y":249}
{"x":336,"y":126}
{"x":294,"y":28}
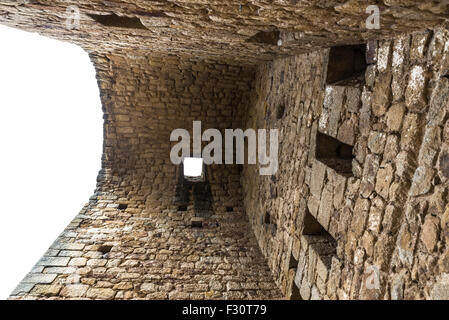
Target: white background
{"x":51,"y":132}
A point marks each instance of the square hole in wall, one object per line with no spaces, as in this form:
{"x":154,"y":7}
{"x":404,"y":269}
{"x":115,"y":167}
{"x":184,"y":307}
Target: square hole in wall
{"x":182,"y":208}
{"x":346,"y":63}
{"x":122,"y":206}
{"x":229,"y":209}
{"x":334,"y":154}
{"x":104,"y":249}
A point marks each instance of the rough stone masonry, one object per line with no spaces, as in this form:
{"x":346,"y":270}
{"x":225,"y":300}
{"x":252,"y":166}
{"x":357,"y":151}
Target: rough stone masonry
{"x":359,"y":206}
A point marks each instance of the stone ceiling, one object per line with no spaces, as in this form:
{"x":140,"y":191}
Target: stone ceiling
{"x":245,"y":32}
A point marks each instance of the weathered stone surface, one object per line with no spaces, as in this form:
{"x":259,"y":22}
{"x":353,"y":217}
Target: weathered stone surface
{"x":99,"y":293}
{"x":430,"y":232}
{"x":422,"y":181}
{"x":443,"y":164}
{"x":415,"y":98}
{"x":132,"y":241}
{"x":79,"y":262}
{"x":256,"y":31}
{"x":46,"y":290}
{"x":395,"y":116}
{"x":440,"y":290}
{"x":39,"y":278}
{"x":376,"y":142}
{"x":381,"y":95}
{"x":54,"y":261}
{"x":74,"y":290}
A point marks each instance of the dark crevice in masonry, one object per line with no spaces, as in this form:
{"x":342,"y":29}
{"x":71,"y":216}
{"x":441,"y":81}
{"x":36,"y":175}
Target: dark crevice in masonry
{"x":122,"y":206}
{"x":280,"y":111}
{"x":104,"y":249}
{"x":266,"y":218}
{"x":266,"y":37}
{"x":295,"y":292}
{"x":113,"y":20}
{"x":347,"y":65}
{"x":334,"y":154}
{"x":292,"y":263}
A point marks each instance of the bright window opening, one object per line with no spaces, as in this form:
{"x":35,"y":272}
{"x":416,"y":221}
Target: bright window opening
{"x":193,"y":167}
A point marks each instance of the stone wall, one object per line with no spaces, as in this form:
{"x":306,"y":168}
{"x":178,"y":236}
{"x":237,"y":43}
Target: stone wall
{"x":247,"y":32}
{"x":130,"y":241}
{"x":358,"y":208}
{"x":388,"y":216}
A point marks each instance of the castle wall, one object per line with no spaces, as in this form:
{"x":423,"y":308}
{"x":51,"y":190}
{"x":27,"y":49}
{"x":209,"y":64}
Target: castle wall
{"x":327,"y":233}
{"x":149,"y":250}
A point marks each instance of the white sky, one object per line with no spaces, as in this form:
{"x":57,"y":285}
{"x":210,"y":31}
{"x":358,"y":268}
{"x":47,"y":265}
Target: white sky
{"x":193,"y":167}
{"x":51,"y":132}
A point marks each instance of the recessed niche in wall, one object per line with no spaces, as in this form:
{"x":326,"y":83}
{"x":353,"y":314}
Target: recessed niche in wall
{"x":280,"y":111}
{"x":266,"y":218}
{"x":346,"y":64}
{"x":334,"y":154}
{"x":229,"y":209}
{"x":266,"y":37}
{"x":113,"y":20}
{"x":324,"y":245}
{"x":105,"y":249}
{"x":122,"y":206}
{"x":182,"y":208}
{"x":197,"y":222}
